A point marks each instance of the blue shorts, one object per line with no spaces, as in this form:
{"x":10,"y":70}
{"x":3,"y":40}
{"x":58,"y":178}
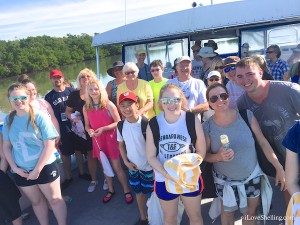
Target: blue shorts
{"x":163,"y":194}
{"x":141,"y":181}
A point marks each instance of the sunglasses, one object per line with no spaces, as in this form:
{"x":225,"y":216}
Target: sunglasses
{"x":85,"y":76}
{"x":18,"y":98}
{"x":269,"y":52}
{"x":214,"y":98}
{"x":196,"y":51}
{"x":214,"y":79}
{"x":118,"y":68}
{"x":227,"y":69}
{"x":168,"y":101}
{"x":130,"y":72}
{"x":154,"y":70}
{"x":219,"y":67}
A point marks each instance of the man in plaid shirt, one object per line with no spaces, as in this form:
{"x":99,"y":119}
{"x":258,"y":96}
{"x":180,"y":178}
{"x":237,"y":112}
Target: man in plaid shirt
{"x":277,"y":66}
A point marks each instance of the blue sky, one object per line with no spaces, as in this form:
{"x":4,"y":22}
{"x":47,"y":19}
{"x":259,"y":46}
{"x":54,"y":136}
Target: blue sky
{"x":22,"y":18}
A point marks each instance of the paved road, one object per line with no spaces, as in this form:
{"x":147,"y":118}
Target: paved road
{"x":88,"y":209}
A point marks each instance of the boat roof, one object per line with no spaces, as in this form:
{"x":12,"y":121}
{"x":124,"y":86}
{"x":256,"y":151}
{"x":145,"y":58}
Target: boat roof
{"x":222,"y":18}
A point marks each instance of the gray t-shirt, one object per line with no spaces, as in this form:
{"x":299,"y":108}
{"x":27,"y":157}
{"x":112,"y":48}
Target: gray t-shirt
{"x":241,"y":142}
{"x":276,"y":114}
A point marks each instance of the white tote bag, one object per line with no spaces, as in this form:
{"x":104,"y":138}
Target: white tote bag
{"x":105,"y":162}
{"x":155,"y":212}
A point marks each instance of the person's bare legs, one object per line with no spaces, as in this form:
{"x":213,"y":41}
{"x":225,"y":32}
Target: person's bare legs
{"x":38,"y":201}
{"x":192,"y":207}
{"x":116,"y":165}
{"x":170,"y":210}
{"x":52,"y":193}
{"x":79,"y":160}
{"x":141,"y":201}
{"x":227,"y":218}
{"x":67,"y":166}
{"x":252,"y":204}
{"x":17,"y":221}
{"x":92,"y":165}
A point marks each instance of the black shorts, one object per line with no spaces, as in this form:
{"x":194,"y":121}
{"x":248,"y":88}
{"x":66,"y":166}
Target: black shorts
{"x":48,"y":174}
{"x":9,"y":198}
{"x":67,"y":146}
{"x":81,"y":144}
{"x":70,"y":142}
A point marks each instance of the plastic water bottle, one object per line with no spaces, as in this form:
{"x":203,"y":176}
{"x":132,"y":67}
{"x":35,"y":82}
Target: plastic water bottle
{"x":225,"y":141}
{"x":58,"y":159}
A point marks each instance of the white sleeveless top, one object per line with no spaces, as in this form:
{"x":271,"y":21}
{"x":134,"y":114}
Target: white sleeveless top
{"x":174,"y":140}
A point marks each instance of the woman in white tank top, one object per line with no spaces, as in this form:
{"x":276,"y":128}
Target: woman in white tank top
{"x":174,"y":140}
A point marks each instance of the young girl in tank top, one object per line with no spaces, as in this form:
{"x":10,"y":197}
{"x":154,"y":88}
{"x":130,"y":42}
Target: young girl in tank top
{"x":101,"y":117}
{"x":173,"y":131}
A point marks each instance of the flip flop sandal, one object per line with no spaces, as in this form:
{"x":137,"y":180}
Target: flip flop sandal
{"x":108,"y":196}
{"x":128,"y":199}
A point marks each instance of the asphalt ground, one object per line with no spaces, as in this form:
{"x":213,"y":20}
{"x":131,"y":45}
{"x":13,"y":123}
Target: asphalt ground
{"x":88,"y":208}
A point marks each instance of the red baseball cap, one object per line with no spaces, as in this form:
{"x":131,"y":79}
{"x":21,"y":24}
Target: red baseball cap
{"x":56,"y":73}
{"x":128,"y":95}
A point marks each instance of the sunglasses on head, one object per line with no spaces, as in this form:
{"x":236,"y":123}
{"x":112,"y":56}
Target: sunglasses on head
{"x":214,"y":79}
{"x":227,"y":69}
{"x":167,"y":101}
{"x":154,"y":70}
{"x":18,"y":98}
{"x":214,"y":98}
{"x":129,"y":72}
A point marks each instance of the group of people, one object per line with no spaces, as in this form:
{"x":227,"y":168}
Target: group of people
{"x":161,"y":120}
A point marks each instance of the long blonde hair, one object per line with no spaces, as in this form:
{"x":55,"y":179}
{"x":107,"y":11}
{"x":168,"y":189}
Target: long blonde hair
{"x":84,"y":72}
{"x":14,"y":87}
{"x":172,"y":86}
{"x":103,"y":98}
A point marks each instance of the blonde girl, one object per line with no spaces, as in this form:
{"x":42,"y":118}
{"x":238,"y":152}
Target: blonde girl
{"x":28,"y":144}
{"x":172,"y":121}
{"x":82,"y":142}
{"x":101,"y":118}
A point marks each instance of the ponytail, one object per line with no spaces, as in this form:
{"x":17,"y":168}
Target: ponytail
{"x":11,"y":118}
{"x":32,"y":119}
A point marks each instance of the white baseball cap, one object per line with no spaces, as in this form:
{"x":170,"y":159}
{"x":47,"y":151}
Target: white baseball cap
{"x":213,"y":73}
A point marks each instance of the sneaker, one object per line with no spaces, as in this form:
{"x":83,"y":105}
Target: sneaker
{"x":105,"y":185}
{"x":85,"y":176}
{"x":66,"y":183}
{"x":92,"y":186}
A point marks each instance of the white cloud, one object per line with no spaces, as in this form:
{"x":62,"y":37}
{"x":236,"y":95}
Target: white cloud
{"x":57,"y":18}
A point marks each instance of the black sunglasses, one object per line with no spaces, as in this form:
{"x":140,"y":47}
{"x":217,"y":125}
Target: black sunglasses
{"x":214,"y":79}
{"x":214,"y":98}
{"x":219,"y":67}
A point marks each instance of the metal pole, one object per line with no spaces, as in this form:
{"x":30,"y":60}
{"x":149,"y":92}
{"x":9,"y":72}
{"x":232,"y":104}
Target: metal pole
{"x":98,"y":63}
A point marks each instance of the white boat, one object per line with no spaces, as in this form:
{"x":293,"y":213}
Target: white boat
{"x":259,"y":23}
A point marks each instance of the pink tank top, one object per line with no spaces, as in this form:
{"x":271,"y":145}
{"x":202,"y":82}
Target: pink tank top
{"x":99,"y":118}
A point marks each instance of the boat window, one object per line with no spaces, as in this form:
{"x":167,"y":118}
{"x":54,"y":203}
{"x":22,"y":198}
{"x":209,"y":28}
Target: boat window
{"x":286,"y":37}
{"x":166,"y":51}
{"x":226,"y":46}
{"x":255,"y":41}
